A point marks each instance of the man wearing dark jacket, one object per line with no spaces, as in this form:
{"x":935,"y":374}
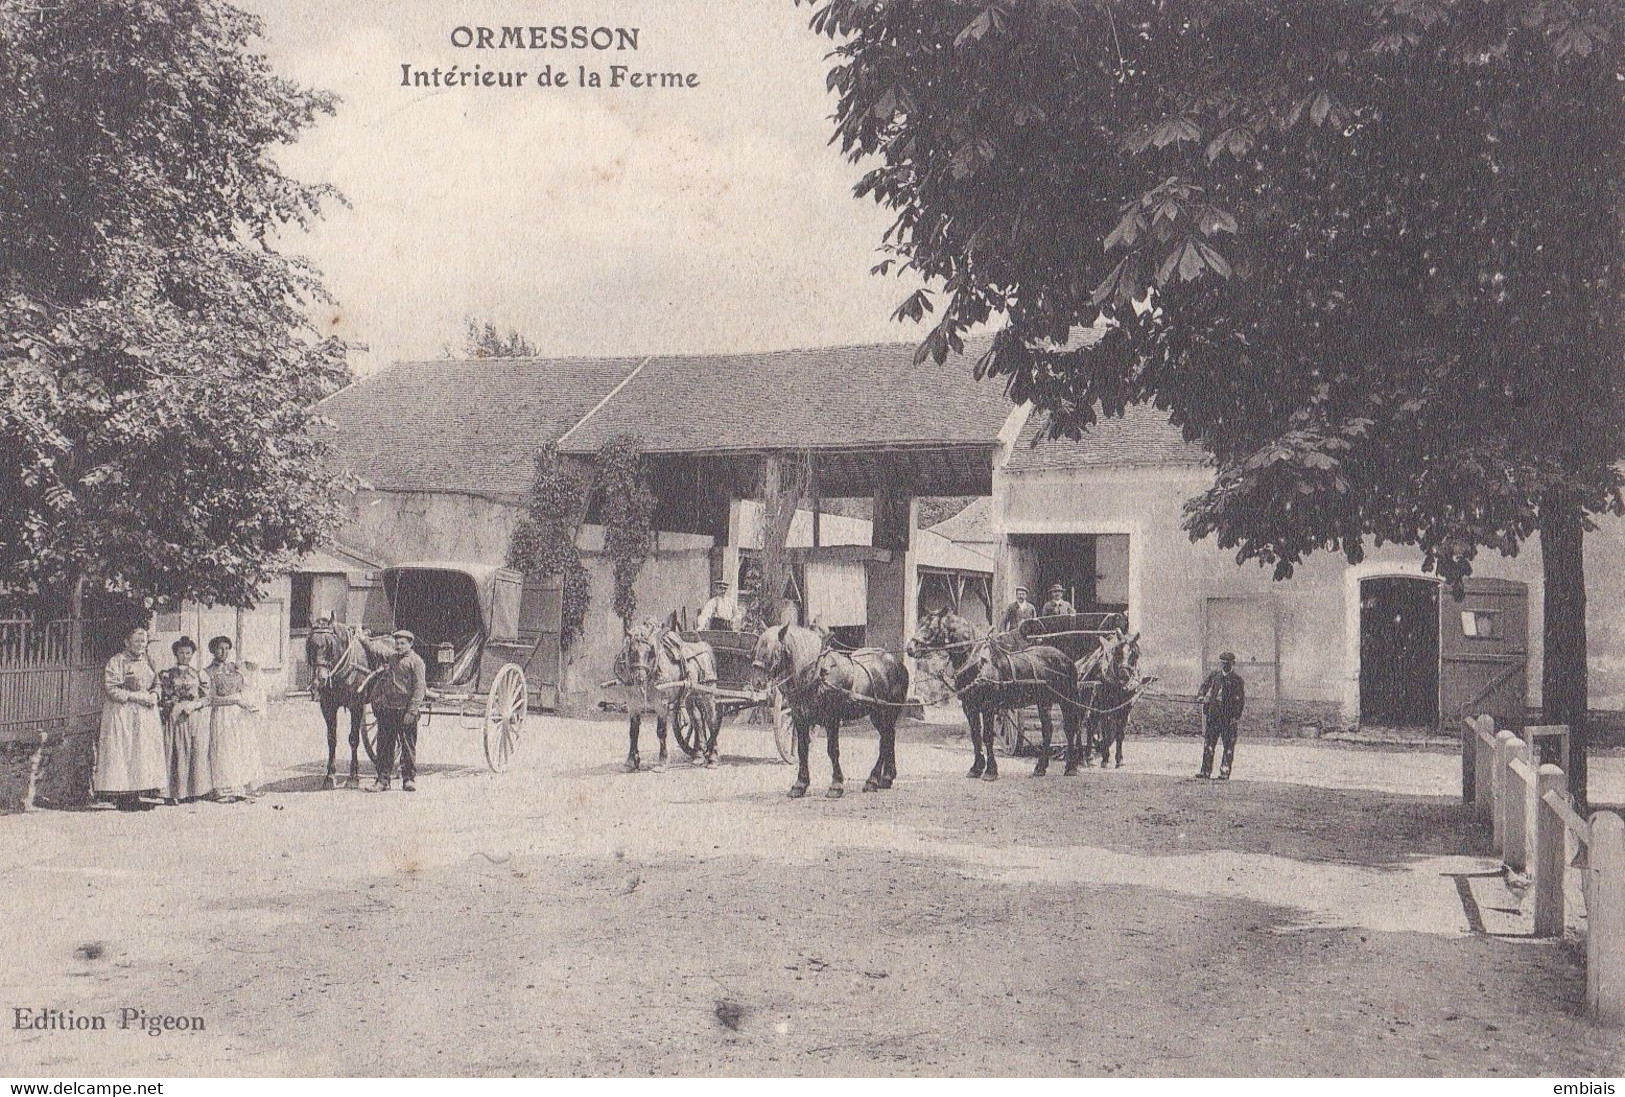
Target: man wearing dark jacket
{"x":397,"y":698}
{"x":1222,"y":697}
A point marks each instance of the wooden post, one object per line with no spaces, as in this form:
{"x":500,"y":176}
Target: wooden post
{"x":1551,"y":854}
{"x":1483,"y":766}
{"x":1499,"y":779}
{"x":1469,"y":748}
{"x":1605,"y":920}
{"x":1519,"y":792}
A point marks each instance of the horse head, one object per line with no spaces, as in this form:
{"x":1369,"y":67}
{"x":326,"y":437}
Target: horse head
{"x":637,"y":659}
{"x":931,"y":637}
{"x":325,"y":647}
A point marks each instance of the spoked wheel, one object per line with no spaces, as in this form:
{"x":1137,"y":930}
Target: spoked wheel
{"x":784,"y":730}
{"x":1012,"y":730}
{"x":504,"y":716}
{"x":369,"y":735}
{"x":687,"y":731}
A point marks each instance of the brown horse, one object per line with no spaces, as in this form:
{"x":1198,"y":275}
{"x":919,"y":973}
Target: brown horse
{"x":950,"y":638}
{"x":1036,"y":675}
{"x":824,"y":687}
{"x":1108,"y":681}
{"x":341,"y":676}
{"x":662,"y":671}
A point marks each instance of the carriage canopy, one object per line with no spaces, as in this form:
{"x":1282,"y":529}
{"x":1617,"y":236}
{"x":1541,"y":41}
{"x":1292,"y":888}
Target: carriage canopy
{"x":456,"y":604}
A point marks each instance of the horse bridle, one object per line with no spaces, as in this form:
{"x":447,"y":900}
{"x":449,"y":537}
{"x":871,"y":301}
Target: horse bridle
{"x":346,"y":660}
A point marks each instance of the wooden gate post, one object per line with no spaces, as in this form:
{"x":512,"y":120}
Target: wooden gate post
{"x":1516,"y":831}
{"x":1500,"y":779}
{"x":1551,"y":853}
{"x":1605,"y":920}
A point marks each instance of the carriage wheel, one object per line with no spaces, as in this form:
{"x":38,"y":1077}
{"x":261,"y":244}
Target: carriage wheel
{"x":689,"y":734}
{"x":504,"y":716}
{"x":1012,"y":730}
{"x":784,"y":730}
{"x":369,"y":735}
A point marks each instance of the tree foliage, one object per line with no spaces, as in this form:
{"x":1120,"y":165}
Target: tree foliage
{"x":157,"y":363}
{"x":483,"y":339}
{"x":544,"y":540}
{"x":1367,"y":252}
{"x":627,"y":506}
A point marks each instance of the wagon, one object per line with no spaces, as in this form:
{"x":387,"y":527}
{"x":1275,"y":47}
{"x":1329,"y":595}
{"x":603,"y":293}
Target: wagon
{"x":466,"y":619}
{"x":735,"y":693}
{"x":1075,"y":636}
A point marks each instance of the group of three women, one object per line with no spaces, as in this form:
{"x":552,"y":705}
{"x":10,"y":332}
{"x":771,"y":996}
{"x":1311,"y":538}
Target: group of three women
{"x":182,"y":734}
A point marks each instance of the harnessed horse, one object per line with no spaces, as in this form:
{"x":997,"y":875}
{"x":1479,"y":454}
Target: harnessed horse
{"x":1004,"y":677}
{"x":951,"y":636}
{"x":342,"y":673}
{"x":823,"y":686}
{"x":1108,"y":681}
{"x":662,"y":670}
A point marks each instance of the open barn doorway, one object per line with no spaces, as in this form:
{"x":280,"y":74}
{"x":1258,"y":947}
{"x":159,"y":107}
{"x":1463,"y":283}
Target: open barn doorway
{"x":1092,"y":568}
{"x":1399,"y":652}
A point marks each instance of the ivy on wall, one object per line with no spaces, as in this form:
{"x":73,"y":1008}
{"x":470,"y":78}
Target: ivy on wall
{"x":627,"y":506}
{"x":544,"y":540}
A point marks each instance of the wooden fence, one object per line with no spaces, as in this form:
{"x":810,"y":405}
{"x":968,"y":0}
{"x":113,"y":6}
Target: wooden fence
{"x":1536,"y":831}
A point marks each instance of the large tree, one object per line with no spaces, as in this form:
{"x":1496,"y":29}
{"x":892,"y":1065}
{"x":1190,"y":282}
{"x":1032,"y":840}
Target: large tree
{"x":1367,"y":252}
{"x":158,"y":365}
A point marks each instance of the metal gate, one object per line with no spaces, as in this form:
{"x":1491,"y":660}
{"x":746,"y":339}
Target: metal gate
{"x":50,"y":679}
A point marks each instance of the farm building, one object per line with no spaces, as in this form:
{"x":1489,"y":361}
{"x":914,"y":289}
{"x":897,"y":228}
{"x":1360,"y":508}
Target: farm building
{"x":451,"y":486}
{"x":1335,"y":645}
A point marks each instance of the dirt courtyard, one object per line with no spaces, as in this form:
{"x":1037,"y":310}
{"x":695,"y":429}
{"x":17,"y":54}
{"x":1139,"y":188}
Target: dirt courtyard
{"x":1324,"y":913}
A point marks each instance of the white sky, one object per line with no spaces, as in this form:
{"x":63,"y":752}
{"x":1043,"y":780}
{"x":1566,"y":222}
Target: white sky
{"x":596,"y":222}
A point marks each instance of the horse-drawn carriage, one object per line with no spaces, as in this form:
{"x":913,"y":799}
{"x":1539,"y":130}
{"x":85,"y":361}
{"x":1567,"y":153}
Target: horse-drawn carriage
{"x":476,"y":649}
{"x":736,"y":689}
{"x":1076,"y":636}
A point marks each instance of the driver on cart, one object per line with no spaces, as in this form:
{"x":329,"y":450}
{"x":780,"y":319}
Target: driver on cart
{"x":396,"y":701}
{"x":721,"y":613}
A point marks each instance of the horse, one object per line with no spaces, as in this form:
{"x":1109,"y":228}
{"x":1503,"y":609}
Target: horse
{"x":1108,"y":681}
{"x":1037,"y":675}
{"x":950,"y":635}
{"x":663,"y":669}
{"x":824,"y":687}
{"x":342,"y":672}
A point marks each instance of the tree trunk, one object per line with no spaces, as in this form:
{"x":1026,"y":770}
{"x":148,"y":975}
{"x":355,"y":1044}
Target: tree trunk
{"x":1564,"y":689}
{"x":784,"y":483}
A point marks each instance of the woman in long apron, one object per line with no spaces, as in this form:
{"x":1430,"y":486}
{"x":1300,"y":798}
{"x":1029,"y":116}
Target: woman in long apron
{"x":183,"y":707}
{"x":233,"y":764}
{"x":130,"y":747}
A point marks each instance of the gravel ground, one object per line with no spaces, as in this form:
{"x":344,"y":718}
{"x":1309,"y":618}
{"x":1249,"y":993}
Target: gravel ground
{"x":1318,"y":915}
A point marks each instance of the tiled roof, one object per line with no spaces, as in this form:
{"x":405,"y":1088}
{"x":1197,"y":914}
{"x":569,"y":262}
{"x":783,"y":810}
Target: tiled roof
{"x":825,"y":398}
{"x":973,"y":525}
{"x":470,"y":425}
{"x":1143,"y":436}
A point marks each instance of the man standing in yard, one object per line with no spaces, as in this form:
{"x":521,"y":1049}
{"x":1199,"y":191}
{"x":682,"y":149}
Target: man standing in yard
{"x":1222,"y":698}
{"x":396,"y":700}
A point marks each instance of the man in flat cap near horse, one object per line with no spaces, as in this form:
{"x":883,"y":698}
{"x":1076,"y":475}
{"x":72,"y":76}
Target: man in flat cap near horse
{"x":397,"y":698}
{"x":1222,"y":698}
{"x":1016,"y":614}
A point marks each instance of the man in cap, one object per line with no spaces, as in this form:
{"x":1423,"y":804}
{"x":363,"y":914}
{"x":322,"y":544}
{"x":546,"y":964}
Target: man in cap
{"x":397,"y":698}
{"x":1222,"y":698}
{"x":722,"y":611}
{"x":1057,"y":606}
{"x":1016,"y":614}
